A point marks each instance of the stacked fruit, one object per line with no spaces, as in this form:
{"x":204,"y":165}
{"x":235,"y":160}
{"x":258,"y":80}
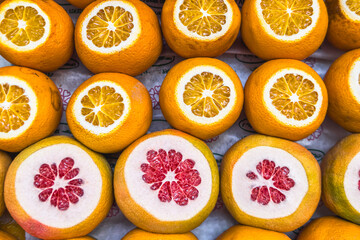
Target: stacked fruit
{"x":167,"y":182}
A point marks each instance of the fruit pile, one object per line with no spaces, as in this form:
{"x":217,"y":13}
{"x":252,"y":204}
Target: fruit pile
{"x":167,"y":182}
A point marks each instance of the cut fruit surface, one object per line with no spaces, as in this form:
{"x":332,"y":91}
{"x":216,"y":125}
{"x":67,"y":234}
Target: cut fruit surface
{"x":351,"y":8}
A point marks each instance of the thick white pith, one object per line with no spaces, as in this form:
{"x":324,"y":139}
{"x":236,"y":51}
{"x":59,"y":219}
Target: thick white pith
{"x":186,"y":109}
{"x":31,"y":45}
{"x":351,"y":182}
{"x":278,"y":115}
{"x":135,"y":32}
{"x":33,"y":102}
{"x":347,"y":12}
{"x":242,"y":186}
{"x":44,"y":212}
{"x":98,"y":130}
{"x":148,"y":199}
{"x":354,"y":80}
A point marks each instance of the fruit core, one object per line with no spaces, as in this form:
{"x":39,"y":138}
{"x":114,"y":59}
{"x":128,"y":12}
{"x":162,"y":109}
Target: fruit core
{"x":175,"y":178}
{"x":206,"y":94}
{"x":23,"y":25}
{"x":59,"y":184}
{"x":274,"y":181}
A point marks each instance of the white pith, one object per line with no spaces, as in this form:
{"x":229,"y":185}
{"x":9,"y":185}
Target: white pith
{"x":282,"y":118}
{"x":98,"y":130}
{"x":213,"y":36}
{"x":148,"y":199}
{"x":297,"y":36}
{"x":134,"y":35}
{"x":180,"y":88}
{"x":351,"y":179}
{"x":32,"y":44}
{"x":353,"y":80}
{"x":241,"y":185}
{"x":44,"y":212}
{"x":33,"y":103}
{"x":347,"y":12}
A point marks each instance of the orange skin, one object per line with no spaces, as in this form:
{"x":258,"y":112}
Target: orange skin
{"x":268,"y":47}
{"x":343,"y":109}
{"x":138,"y":234}
{"x":54,"y":52}
{"x":239,"y":232}
{"x":261,"y":119}
{"x":80,"y":3}
{"x":41,"y":230}
{"x":134,"y":126}
{"x":82,"y":238}
{"x":328,"y":228}
{"x":5,"y":161}
{"x":49,"y":108}
{"x":6,"y":236}
{"x":310,"y":201}
{"x":133,"y":60}
{"x":140,"y":217}
{"x":172,"y":112}
{"x":188,"y":47}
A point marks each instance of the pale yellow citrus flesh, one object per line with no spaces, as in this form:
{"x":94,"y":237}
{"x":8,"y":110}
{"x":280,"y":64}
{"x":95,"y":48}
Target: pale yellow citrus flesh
{"x":23,"y":25}
{"x":109,"y":27}
{"x":287,"y":17}
{"x":206,"y":94}
{"x":294,"y":96}
{"x":203,"y":17}
{"x":102,"y":106}
{"x":354,"y":6}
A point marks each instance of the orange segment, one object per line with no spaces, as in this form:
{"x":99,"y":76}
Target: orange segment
{"x":22,"y":25}
{"x":354,"y":6}
{"x":110,"y":26}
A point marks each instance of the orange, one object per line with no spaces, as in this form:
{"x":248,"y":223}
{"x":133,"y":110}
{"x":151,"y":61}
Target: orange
{"x":138,"y":234}
{"x":341,"y":178}
{"x":30,"y":107}
{"x":58,"y":189}
{"x":239,"y":232}
{"x":201,"y":96}
{"x":109,"y":111}
{"x":285,"y":98}
{"x":80,"y":3}
{"x":118,"y":36}
{"x":343,"y":86}
{"x":330,"y":228}
{"x":5,"y":161}
{"x":283,"y":29}
{"x":200,"y":28}
{"x":8,"y":224}
{"x":344,"y":22}
{"x":6,"y":236}
{"x":36,"y":34}
{"x":166,"y":182}
{"x":82,"y":238}
{"x":270,"y":183}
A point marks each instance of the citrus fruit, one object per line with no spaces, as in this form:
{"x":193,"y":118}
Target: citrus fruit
{"x":201,"y":96}
{"x":82,"y":238}
{"x":118,"y":36}
{"x":239,"y":232}
{"x":200,"y":28}
{"x":5,"y":161}
{"x":166,"y":182}
{"x":343,"y":87}
{"x":57,"y":189}
{"x":283,"y":29}
{"x":80,"y":3}
{"x":330,"y":228}
{"x":344,"y":22}
{"x":285,"y":98}
{"x":6,"y":236}
{"x":341,"y":178}
{"x":8,"y":225}
{"x":270,"y":183}
{"x":36,"y":34}
{"x":30,"y":107}
{"x":138,"y":234}
{"x":109,"y":111}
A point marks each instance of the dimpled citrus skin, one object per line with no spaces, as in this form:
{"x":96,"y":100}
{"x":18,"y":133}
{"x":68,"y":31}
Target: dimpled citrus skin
{"x":330,"y":228}
{"x":81,"y":238}
{"x":343,"y":107}
{"x":5,"y":161}
{"x":55,"y":51}
{"x":188,"y":47}
{"x":138,"y":234}
{"x":43,"y":231}
{"x":133,"y":60}
{"x":239,"y":232}
{"x":80,"y":3}
{"x":134,"y":126}
{"x":49,"y":108}
{"x":133,"y":211}
{"x":6,"y":236}
{"x":261,"y":119}
{"x":310,"y":201}
{"x":333,"y":168}
{"x":268,"y":47}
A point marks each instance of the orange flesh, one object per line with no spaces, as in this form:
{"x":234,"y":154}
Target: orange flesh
{"x":354,"y":6}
